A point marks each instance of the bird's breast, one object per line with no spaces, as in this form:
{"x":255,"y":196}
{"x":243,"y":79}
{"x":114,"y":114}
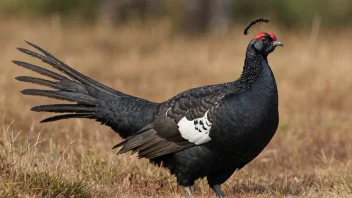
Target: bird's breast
{"x":246,"y":122}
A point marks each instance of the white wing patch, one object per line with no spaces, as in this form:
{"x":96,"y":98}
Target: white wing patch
{"x":195,"y":131}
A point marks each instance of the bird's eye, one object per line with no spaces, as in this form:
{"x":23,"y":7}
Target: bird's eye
{"x":264,"y":39}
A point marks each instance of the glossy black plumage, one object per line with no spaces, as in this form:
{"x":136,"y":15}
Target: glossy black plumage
{"x":237,"y":119}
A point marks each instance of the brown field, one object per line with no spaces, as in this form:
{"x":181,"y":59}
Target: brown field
{"x":308,"y":157}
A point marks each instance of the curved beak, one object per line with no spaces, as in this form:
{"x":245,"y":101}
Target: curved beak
{"x":277,"y":43}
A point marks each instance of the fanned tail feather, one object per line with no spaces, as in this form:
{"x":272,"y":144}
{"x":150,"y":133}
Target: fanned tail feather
{"x":72,"y":89}
{"x":64,"y":108}
{"x":62,"y":95}
{"x":43,"y":82}
{"x":40,"y":70}
{"x":67,"y":116}
{"x":57,"y":64}
{"x":124,"y":113}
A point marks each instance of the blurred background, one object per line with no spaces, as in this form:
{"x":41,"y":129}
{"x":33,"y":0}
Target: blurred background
{"x":186,"y":16}
{"x":155,"y":49}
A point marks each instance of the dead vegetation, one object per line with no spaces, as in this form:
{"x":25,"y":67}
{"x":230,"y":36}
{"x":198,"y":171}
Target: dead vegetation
{"x":308,"y":157}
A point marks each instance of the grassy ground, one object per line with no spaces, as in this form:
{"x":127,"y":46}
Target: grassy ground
{"x":308,"y":157}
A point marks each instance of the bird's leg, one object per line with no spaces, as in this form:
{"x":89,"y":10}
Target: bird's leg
{"x":189,"y":191}
{"x":217,"y":189}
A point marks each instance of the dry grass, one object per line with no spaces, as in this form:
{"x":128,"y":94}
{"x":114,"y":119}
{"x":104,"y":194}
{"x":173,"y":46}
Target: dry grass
{"x":308,"y":157}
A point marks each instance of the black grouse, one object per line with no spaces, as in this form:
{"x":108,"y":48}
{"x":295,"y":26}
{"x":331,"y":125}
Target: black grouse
{"x":209,"y":131}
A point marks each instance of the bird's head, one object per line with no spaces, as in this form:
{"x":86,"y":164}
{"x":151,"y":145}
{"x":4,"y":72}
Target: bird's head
{"x":265,"y":43}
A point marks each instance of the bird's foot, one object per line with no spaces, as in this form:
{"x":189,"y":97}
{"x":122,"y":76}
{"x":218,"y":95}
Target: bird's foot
{"x":189,"y":191}
{"x":217,"y":189}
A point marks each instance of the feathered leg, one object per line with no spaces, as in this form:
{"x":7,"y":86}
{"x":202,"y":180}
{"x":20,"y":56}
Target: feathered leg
{"x":218,"y":191}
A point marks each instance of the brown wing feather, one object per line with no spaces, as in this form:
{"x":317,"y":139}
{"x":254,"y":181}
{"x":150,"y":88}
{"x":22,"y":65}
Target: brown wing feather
{"x":171,"y":148}
{"x":162,"y":137}
{"x":148,"y":144}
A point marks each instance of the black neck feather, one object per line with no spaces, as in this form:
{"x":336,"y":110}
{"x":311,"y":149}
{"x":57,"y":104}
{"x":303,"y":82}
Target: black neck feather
{"x":251,"y":69}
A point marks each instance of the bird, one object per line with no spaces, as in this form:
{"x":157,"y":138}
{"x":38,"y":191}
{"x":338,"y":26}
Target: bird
{"x":209,"y":131}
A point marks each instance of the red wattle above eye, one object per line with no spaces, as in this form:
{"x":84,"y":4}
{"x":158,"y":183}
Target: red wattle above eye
{"x":273,"y":37}
{"x":259,"y":35}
